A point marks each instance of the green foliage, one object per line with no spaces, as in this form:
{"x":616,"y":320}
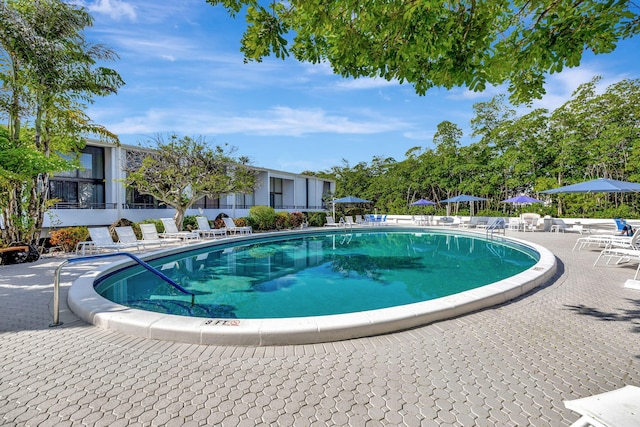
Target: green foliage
{"x":49,"y":74}
{"x":183,"y":170}
{"x":282,"y":221}
{"x":158,"y":223}
{"x":296,"y":219}
{"x":484,"y":43}
{"x":262,"y":217}
{"x":68,"y":238}
{"x":190,"y":223}
{"x":595,"y":134}
{"x":317,"y":219}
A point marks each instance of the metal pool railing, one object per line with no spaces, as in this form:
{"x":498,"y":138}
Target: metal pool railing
{"x":56,"y":282}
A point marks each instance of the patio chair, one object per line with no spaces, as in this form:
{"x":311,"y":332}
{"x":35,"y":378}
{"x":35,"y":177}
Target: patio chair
{"x":101,"y":239}
{"x":205,"y":230}
{"x":233,"y":228}
{"x":348,"y":221}
{"x":332,"y":223}
{"x":530,"y":221}
{"x":558,"y":225}
{"x":171,"y":231}
{"x":127,"y":235}
{"x":613,"y":408}
{"x":360,"y":220}
{"x":515,"y":224}
{"x":599,"y":240}
{"x":472,"y":223}
{"x":150,"y":236}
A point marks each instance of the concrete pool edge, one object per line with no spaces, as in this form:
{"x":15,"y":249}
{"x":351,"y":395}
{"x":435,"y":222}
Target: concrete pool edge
{"x":94,"y":309}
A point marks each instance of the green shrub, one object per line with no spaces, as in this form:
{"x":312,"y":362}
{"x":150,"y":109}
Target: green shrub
{"x":317,"y":219}
{"x":67,"y":238}
{"x":282,"y":220}
{"x":159,"y":225}
{"x":190,"y":223}
{"x":296,"y":219}
{"x":262,"y":217}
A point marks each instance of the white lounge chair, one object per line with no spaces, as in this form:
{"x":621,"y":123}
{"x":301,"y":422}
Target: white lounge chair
{"x":205,"y":230}
{"x":171,"y":230}
{"x":101,"y":239}
{"x":613,"y":408}
{"x":472,"y":223}
{"x":233,"y":228}
{"x":127,"y":235}
{"x":151,"y":237}
{"x":348,"y":221}
{"x":558,"y":225}
{"x":332,"y":223}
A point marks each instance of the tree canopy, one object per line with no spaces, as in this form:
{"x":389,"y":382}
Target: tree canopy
{"x":183,"y":170}
{"x":434,"y":43}
{"x":593,"y":135}
{"x":48,"y":75}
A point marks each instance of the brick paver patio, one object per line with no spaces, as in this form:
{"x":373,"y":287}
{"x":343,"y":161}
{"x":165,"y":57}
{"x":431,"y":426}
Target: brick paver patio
{"x":511,"y":365}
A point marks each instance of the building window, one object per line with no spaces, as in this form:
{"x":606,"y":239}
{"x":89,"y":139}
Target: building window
{"x":81,"y":188}
{"x":275,"y":194}
{"x":245,"y":201}
{"x":207,"y":202}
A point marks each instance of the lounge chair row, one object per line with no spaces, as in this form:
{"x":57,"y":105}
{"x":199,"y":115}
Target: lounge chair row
{"x":348,"y":220}
{"x":101,"y":237}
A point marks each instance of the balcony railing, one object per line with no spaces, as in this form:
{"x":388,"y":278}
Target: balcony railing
{"x":79,"y":205}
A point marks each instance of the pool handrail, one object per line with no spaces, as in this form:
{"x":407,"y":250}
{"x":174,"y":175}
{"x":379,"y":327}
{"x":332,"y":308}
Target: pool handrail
{"x":56,"y":282}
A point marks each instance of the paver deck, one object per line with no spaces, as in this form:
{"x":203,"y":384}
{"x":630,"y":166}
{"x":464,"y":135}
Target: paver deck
{"x":512,"y":365}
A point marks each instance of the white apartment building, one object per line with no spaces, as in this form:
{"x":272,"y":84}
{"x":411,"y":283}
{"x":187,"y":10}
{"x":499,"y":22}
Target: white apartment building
{"x":96,"y":195}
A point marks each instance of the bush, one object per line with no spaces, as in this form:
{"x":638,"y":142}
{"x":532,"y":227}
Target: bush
{"x":262,"y":217}
{"x":159,"y":225}
{"x":282,"y":220}
{"x":190,"y":223}
{"x":317,"y":219}
{"x":296,"y":219}
{"x":68,"y":238}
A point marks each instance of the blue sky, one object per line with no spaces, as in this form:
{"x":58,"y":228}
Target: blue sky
{"x":185,"y":74}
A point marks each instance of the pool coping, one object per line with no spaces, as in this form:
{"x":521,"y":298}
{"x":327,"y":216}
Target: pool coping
{"x":93,"y":308}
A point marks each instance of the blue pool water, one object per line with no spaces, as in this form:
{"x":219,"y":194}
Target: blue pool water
{"x":317,"y":274}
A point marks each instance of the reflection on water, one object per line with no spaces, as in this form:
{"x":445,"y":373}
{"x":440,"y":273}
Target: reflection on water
{"x":318,"y":274}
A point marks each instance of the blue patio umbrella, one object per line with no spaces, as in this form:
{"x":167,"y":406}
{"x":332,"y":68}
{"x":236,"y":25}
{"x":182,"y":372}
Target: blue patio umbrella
{"x":463,"y":198}
{"x":347,"y":199}
{"x":600,"y":185}
{"x":351,"y":199}
{"x":423,"y":202}
{"x":522,"y":199}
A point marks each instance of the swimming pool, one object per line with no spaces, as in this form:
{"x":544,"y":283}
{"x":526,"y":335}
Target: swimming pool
{"x":247,"y":288}
{"x":317,"y":275}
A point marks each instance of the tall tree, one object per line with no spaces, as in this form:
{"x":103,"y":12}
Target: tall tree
{"x":183,"y":170}
{"x":49,"y":74}
{"x":434,"y":43}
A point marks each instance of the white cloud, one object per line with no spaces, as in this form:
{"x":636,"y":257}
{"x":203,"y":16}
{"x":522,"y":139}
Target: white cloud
{"x":115,"y":9}
{"x":282,"y":121}
{"x":364,"y":83}
{"x":419,"y":135}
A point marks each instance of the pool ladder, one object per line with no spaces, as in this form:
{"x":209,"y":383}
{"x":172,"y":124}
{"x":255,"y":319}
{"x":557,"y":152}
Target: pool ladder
{"x":496,"y":225}
{"x":56,"y":282}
